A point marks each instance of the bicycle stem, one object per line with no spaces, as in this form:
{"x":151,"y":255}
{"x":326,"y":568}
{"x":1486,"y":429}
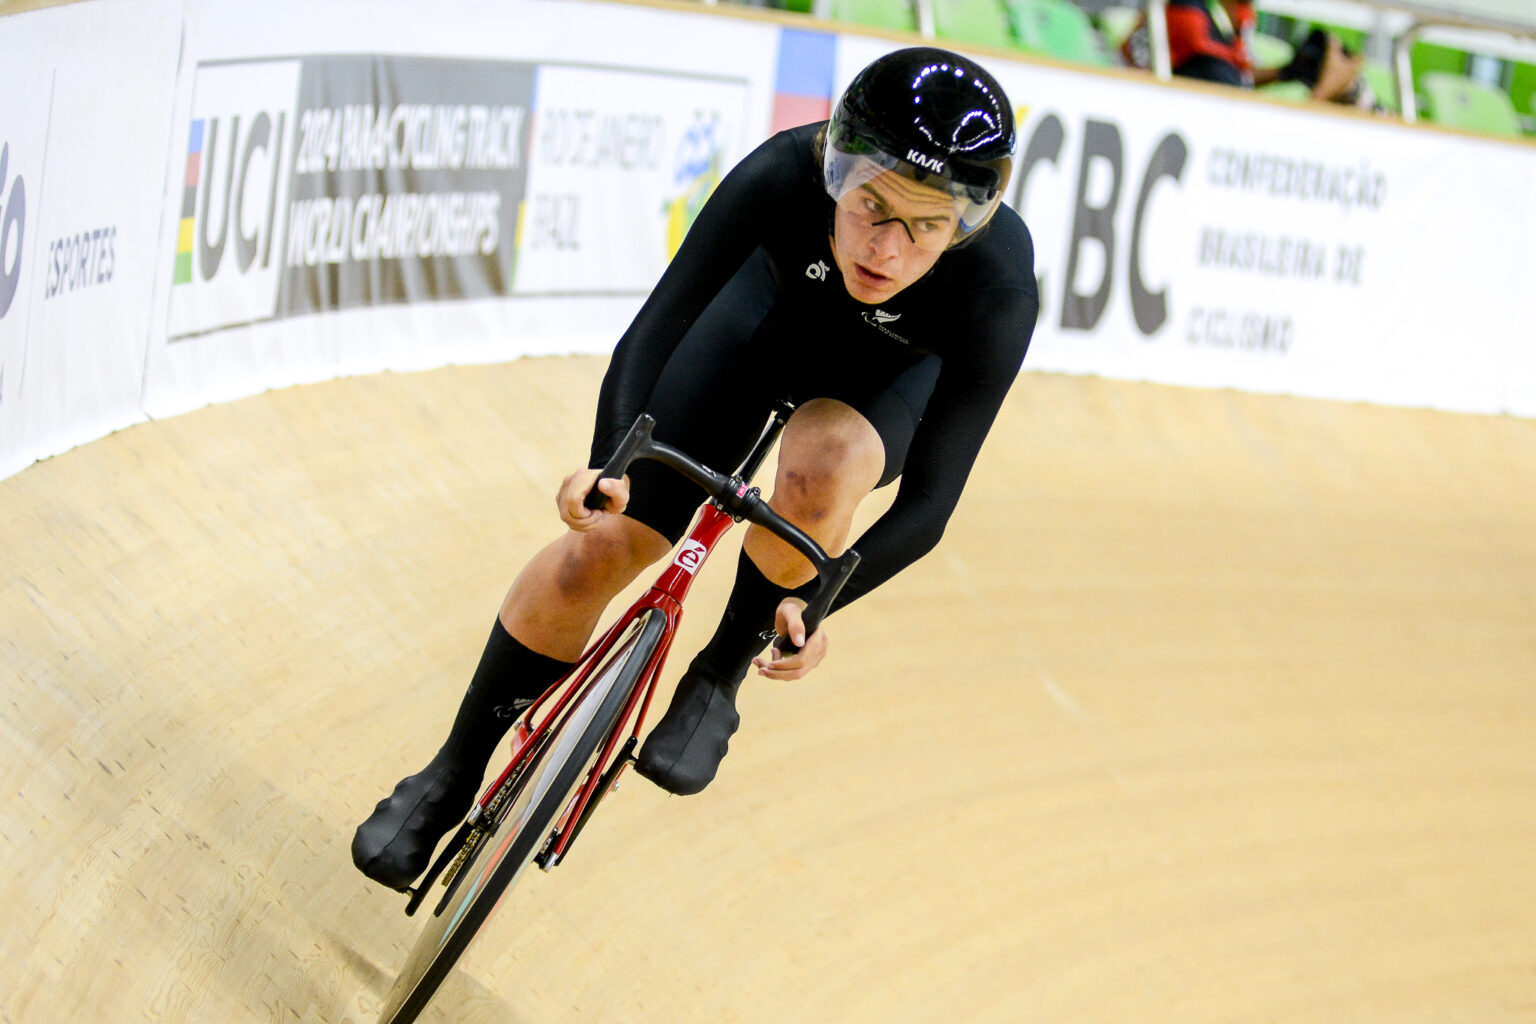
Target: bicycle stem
{"x":743,"y":502}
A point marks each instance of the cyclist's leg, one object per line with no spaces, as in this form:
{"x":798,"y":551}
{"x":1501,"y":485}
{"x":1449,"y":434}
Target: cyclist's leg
{"x":555,"y":602}
{"x":842,"y":449}
{"x":710,"y":401}
{"x":706,"y":407}
{"x":545,"y":621}
{"x":830,"y":459}
{"x":834,"y":452}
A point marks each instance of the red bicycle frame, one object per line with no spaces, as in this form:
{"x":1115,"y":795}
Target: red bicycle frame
{"x":731,"y":500}
{"x":666,"y":596}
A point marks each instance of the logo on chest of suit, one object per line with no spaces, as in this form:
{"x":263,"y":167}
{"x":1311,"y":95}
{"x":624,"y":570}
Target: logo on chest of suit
{"x":817,"y":271}
{"x":878,"y":320}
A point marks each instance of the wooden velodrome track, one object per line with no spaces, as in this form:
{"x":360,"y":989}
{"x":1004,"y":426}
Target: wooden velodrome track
{"x":1211,"y":707}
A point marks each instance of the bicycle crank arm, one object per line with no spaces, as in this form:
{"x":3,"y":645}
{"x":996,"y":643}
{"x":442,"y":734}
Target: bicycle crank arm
{"x":450,"y":852}
{"x":548,"y":860}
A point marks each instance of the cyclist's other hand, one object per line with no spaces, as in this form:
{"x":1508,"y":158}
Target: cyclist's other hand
{"x":573,"y":493}
{"x":793,"y":664}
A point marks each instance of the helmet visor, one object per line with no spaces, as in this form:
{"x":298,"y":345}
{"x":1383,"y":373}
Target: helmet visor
{"x":850,"y":165}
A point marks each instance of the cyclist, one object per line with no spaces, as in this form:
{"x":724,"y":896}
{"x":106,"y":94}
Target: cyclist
{"x":864,"y":268}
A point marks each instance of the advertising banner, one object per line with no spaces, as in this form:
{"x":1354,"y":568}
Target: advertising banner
{"x":328,"y":183}
{"x":1185,"y":238}
{"x":199,"y":200}
{"x":422,"y":201}
{"x":622,"y":161}
{"x":83,"y":125}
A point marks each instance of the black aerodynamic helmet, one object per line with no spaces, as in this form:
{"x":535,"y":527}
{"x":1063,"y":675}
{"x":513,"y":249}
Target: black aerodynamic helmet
{"x":934,"y":116}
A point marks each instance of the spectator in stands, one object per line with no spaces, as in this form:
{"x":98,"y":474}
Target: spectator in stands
{"x":1209,"y":40}
{"x":1331,"y":70}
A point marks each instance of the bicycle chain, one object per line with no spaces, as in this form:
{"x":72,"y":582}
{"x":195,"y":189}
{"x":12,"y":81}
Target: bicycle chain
{"x":478,"y":831}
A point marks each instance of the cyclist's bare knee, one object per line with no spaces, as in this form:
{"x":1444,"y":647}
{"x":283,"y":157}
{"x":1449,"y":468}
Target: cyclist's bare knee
{"x":830,"y":458}
{"x":605,"y":559}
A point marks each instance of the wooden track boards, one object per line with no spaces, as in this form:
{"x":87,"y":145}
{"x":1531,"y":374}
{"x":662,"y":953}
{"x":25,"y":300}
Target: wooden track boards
{"x":1211,"y":707}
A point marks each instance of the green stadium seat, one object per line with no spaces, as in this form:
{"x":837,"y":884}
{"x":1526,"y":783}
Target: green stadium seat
{"x":1116,"y":24}
{"x":894,"y":15}
{"x":1522,"y":87}
{"x":1058,"y":29}
{"x":1463,"y":103}
{"x":1271,"y":51}
{"x":1426,"y":58}
{"x":1383,"y":82}
{"x":971,"y":21}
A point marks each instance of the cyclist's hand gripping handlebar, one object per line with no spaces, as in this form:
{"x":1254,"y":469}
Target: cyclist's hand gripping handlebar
{"x":821,"y":602}
{"x":637,"y":440}
{"x":744,"y":502}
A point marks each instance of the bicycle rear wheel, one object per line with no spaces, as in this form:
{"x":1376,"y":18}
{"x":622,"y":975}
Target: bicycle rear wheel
{"x":524,"y":824}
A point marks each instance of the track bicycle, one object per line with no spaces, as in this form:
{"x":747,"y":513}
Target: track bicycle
{"x":570,"y":747}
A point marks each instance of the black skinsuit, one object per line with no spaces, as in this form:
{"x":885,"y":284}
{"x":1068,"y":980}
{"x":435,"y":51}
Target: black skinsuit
{"x":753,"y":308}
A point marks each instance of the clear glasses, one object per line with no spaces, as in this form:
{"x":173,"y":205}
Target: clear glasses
{"x":929,"y":226}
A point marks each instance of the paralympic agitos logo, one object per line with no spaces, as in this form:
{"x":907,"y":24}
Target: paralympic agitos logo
{"x":13,"y":228}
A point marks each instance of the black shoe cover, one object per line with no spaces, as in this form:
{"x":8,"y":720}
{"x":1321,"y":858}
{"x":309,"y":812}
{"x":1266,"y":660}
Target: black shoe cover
{"x":394,"y":846}
{"x":683,"y":752}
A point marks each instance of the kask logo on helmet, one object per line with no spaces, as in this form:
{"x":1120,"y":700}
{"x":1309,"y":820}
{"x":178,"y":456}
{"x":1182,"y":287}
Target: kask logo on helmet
{"x":933,"y":164}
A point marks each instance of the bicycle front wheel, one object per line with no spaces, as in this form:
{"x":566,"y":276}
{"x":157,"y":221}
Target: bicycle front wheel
{"x":522,"y":827}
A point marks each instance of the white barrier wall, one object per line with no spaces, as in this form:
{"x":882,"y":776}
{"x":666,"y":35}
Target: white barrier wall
{"x":83,"y":124}
{"x":204,"y":199}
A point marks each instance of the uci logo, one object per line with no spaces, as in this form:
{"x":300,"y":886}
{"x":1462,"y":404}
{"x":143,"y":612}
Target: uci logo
{"x":242,"y":143}
{"x":13,"y":213}
{"x":816,"y":271}
{"x":690,"y":557}
{"x":232,"y":160}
